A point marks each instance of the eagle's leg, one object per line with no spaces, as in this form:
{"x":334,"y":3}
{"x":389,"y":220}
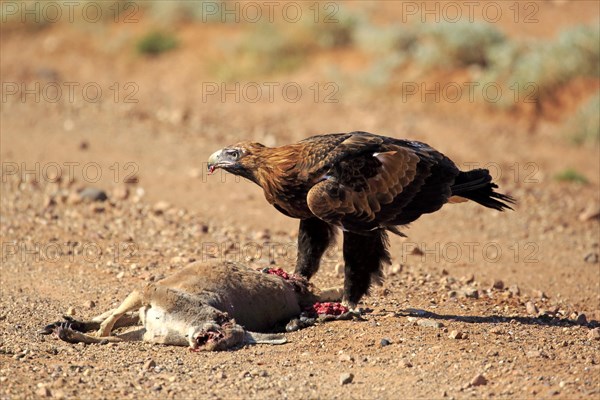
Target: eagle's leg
{"x":364,"y":256}
{"x":314,"y":237}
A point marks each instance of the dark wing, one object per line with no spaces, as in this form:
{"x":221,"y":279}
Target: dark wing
{"x":364,"y":181}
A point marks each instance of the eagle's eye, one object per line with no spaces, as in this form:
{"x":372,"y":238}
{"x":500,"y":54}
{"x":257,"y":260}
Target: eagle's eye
{"x":233,"y":154}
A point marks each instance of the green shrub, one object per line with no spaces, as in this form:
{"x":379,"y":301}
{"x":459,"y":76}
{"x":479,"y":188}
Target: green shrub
{"x":584,"y":126}
{"x":571,"y":175}
{"x":546,"y":64}
{"x":156,"y":42}
{"x":451,"y":45}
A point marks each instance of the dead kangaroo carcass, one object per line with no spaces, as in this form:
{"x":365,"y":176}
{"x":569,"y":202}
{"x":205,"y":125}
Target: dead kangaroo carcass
{"x":207,"y":306}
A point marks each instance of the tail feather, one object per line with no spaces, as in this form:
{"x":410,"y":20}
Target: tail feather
{"x":477,"y":185}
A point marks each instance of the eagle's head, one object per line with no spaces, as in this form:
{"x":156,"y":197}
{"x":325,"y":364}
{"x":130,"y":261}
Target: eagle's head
{"x":239,"y":159}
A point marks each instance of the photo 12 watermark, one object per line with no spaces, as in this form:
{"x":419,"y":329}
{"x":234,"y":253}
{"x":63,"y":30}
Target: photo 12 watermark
{"x":52,"y":12}
{"x":270,"y":92}
{"x":72,"y":251}
{"x":69,"y":92}
{"x":525,"y":12}
{"x":69,"y":171}
{"x":467,"y":91}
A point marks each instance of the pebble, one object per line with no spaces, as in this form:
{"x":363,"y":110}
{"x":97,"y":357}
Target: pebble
{"x":533,"y":354}
{"x":396,"y":269}
{"x":471,"y":293}
{"x":60,"y":382}
{"x":345,"y":358}
{"x":591,"y":258}
{"x":496,"y":330}
{"x":160,"y":207}
{"x":406,"y":364}
{"x":120,"y":193}
{"x":71,"y":311}
{"x":93,"y":194}
{"x":74,"y":198}
{"x":89,"y":304}
{"x":43,"y":391}
{"x":120,"y":275}
{"x":149,"y":364}
{"x":531,"y":308}
{"x":594,"y":334}
{"x":479,"y":380}
{"x":428,"y":323}
{"x":581,"y":319}
{"x":592,"y":212}
{"x":346,"y":378}
{"x":385,"y":342}
{"x":539,"y":294}
{"x":514,"y":289}
{"x":457,"y":335}
{"x":498,"y":284}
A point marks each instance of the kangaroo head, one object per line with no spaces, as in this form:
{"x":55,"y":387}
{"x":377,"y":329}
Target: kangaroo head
{"x":213,"y":336}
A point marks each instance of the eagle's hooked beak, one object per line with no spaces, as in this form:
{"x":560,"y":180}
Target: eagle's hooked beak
{"x":213,"y":161}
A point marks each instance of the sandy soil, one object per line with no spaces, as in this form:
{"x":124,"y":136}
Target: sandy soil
{"x":523,"y":287}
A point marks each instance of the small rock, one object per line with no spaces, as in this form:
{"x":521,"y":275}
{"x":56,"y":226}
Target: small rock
{"x":89,"y":304}
{"x":97,"y":208}
{"x":43,"y":391}
{"x":581,"y":319}
{"x":49,"y":201}
{"x":533,"y":354}
{"x":120,"y":275}
{"x":71,"y":311}
{"x":385,"y":342}
{"x":220,"y":375}
{"x":539,"y":294}
{"x":406,"y":364}
{"x":479,"y":380}
{"x":346,"y":378}
{"x":496,"y":330}
{"x":244,"y":375}
{"x":468,"y":279}
{"x":514,"y":289}
{"x":590,"y":213}
{"x":84,"y":145}
{"x":345,"y":357}
{"x":131,"y":179}
{"x":594,"y":334}
{"x":498,"y":284}
{"x":471,"y":293}
{"x":150,"y":364}
{"x":417,"y":251}
{"x":60,"y":382}
{"x":396,"y":269}
{"x":456,"y":335}
{"x":74,"y":198}
{"x":93,"y":194}
{"x":591,"y":258}
{"x":428,"y":323}
{"x":160,"y":207}
{"x":120,"y":193}
{"x":531,"y":308}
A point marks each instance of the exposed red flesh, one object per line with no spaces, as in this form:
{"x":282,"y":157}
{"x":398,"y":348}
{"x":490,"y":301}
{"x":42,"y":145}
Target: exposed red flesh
{"x":328,"y":308}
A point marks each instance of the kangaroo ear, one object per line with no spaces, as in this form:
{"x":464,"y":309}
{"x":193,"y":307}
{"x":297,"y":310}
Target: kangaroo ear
{"x":265,"y":338}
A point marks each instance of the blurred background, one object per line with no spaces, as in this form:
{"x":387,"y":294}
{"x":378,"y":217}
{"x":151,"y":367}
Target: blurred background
{"x":145,"y":91}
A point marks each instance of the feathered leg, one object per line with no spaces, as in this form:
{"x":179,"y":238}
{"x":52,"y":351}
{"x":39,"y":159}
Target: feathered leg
{"x":314,"y":238}
{"x":364,"y":256}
